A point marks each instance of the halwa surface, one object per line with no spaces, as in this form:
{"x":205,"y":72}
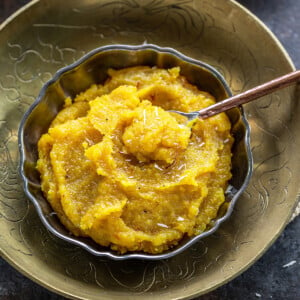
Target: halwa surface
{"x":119,"y":168}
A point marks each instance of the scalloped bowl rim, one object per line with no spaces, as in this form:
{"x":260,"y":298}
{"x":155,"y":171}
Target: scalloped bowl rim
{"x":109,"y":254}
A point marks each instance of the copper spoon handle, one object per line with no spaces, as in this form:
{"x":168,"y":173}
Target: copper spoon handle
{"x":250,"y":95}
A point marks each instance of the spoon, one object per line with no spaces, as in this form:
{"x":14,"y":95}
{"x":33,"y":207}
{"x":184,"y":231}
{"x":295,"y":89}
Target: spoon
{"x":245,"y":97}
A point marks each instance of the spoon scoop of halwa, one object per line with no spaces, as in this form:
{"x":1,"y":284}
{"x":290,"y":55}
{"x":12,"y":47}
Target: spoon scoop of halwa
{"x":119,"y":168}
{"x":148,"y":132}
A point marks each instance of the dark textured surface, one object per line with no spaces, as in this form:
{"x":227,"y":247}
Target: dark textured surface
{"x":268,"y":278}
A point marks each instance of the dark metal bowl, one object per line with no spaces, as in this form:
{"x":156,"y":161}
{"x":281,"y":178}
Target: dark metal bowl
{"x":92,"y":68}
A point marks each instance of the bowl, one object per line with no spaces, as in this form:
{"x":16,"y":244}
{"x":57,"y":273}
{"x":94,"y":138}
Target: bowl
{"x":92,"y":68}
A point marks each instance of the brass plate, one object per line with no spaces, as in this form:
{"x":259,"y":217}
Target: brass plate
{"x":49,"y":34}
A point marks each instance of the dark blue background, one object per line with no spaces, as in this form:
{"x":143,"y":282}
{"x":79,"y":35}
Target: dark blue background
{"x":267,"y":279}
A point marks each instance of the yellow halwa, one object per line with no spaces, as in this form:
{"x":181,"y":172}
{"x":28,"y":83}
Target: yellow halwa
{"x":119,"y":168}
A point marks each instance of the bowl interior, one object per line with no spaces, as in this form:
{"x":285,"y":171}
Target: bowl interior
{"x":92,"y":69}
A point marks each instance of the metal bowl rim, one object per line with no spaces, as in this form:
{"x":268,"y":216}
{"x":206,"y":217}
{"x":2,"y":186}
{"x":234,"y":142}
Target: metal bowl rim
{"x":139,"y":256}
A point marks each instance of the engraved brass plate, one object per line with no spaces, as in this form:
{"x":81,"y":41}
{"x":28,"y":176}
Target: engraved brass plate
{"x":50,"y":34}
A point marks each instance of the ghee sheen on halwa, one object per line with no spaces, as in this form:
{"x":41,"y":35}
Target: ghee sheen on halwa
{"x":119,"y":168}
